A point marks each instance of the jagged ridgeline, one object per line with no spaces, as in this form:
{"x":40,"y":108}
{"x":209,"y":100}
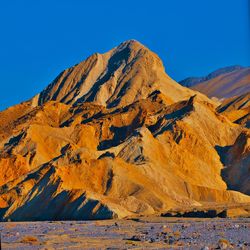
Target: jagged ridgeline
{"x":115,"y":136}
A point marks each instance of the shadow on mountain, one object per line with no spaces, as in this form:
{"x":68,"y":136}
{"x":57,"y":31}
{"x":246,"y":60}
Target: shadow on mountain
{"x":120,"y":134}
{"x":222,"y":152}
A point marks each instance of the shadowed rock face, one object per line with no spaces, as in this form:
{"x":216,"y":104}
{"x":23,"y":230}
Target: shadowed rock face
{"x":237,"y":162}
{"x":114,"y":136}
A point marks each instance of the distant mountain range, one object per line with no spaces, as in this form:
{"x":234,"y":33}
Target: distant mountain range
{"x":115,"y":136}
{"x":191,"y":81}
{"x":222,"y":83}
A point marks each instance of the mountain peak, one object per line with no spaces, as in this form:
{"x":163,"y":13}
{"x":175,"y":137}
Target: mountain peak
{"x":131,"y":43}
{"x":119,"y":77}
{"x":130,"y":48}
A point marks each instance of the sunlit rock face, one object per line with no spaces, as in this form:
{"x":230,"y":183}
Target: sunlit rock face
{"x":115,"y":136}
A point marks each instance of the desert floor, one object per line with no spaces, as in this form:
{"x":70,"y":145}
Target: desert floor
{"x":142,"y":233}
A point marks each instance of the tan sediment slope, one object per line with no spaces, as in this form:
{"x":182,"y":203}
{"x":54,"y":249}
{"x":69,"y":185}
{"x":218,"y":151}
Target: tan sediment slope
{"x":113,"y":136}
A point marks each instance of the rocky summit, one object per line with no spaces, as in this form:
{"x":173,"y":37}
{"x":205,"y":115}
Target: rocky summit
{"x":114,"y":136}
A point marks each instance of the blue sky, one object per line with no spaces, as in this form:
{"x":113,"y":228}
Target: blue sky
{"x":41,"y":38}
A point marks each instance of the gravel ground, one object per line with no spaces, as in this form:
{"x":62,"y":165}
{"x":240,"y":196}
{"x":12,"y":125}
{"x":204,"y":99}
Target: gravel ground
{"x":142,"y":233}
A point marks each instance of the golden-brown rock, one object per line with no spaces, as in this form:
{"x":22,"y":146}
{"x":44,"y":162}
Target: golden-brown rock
{"x":237,"y":109}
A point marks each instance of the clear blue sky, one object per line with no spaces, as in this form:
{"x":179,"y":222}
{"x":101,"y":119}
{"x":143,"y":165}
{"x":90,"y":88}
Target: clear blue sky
{"x":40,"y":38}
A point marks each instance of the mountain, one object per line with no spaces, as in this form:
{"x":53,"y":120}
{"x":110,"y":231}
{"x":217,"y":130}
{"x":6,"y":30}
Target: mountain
{"x":117,"y":78}
{"x":115,"y":136}
{"x":192,"y":81}
{"x":223,"y":83}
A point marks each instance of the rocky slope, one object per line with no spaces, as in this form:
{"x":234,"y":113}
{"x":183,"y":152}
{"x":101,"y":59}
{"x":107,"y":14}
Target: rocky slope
{"x":114,"y":136}
{"x":237,"y":109}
